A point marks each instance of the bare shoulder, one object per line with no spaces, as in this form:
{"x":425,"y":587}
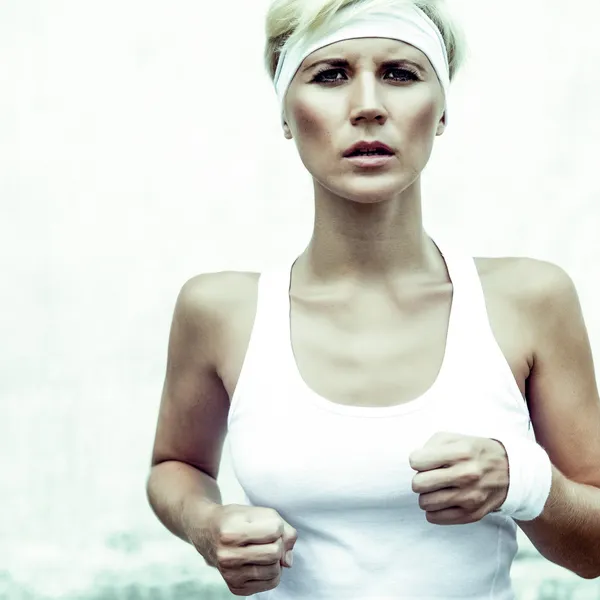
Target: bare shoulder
{"x":517,"y":292}
{"x":529,"y":302}
{"x":533,"y":284}
{"x":207,"y":302}
{"x":213,"y":295}
{"x":223,"y":306}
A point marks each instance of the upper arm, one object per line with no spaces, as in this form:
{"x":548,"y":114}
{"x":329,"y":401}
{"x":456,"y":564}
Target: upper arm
{"x":562,"y":391}
{"x":192,"y":420}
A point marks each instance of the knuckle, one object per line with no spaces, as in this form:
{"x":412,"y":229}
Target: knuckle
{"x":473,"y":470}
{"x":416,"y":484}
{"x":272,"y":571}
{"x":237,"y":591}
{"x":469,"y":476}
{"x":471,"y":518}
{"x":274,"y":582}
{"x":478,"y":515}
{"x":235,"y":586}
{"x":474,"y":500}
{"x":263,"y":578}
{"x":431,"y":518}
{"x":469,"y":504}
{"x":228,"y":532}
{"x":273,"y":552}
{"x":279,"y":546}
{"x":238,"y":582}
{"x":466,"y":449}
{"x":454,"y":497}
{"x":225,"y":559}
{"x":228,"y":536}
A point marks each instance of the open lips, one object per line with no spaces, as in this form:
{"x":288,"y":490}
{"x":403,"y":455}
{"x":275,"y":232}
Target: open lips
{"x":368,"y":149}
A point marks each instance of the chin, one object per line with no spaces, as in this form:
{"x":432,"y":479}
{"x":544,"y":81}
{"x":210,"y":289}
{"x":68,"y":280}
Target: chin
{"x":371,"y":189}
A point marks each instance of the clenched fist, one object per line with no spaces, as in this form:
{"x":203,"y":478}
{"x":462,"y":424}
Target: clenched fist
{"x":460,"y":478}
{"x":249,"y":545}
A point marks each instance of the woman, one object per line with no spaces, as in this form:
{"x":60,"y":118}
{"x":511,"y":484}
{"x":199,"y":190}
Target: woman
{"x":379,"y":391}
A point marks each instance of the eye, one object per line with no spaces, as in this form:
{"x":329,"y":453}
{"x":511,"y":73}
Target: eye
{"x":327,"y":76}
{"x":403,"y":74}
{"x":400,"y":74}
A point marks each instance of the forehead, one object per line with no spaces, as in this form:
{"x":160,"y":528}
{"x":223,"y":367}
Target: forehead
{"x":367,"y":49}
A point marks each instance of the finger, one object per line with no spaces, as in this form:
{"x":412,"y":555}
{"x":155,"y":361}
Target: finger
{"x":461,"y":475}
{"x":232,"y":558}
{"x":246,"y":532}
{"x":287,"y":559}
{"x":441,"y":500}
{"x":290,"y":535}
{"x":425,"y":482}
{"x":256,"y":573}
{"x":452,"y":516}
{"x":438,"y":457}
{"x":256,"y":578}
{"x":427,"y":459}
{"x":471,"y":500}
{"x":263,"y":554}
{"x":248,"y":587}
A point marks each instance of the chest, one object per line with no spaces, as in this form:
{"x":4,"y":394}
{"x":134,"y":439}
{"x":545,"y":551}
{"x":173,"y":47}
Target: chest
{"x":371,"y":350}
{"x":368,"y":350}
{"x":362,"y":350}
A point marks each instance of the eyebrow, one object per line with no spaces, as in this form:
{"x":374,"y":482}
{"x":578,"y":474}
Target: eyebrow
{"x":342,"y":62}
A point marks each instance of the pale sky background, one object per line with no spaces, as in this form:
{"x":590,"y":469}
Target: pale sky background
{"x":140,"y":145}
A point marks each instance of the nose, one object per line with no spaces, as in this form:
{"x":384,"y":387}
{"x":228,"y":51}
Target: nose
{"x":366,"y":103}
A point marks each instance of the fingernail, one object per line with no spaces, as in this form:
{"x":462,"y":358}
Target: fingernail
{"x":289,"y":558}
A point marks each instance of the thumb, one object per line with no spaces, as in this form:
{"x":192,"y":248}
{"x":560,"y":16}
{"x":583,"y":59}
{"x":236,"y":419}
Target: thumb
{"x":289,"y":537}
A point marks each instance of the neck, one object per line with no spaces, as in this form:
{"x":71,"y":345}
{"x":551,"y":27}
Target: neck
{"x":368,"y":241}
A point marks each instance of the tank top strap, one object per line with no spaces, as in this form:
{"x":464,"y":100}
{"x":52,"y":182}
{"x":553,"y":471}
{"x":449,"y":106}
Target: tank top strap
{"x":272,"y":310}
{"x":468,"y":298}
{"x":473,"y":339}
{"x":264,"y":359}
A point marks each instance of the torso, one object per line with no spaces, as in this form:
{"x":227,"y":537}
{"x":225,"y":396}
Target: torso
{"x":373,"y":347}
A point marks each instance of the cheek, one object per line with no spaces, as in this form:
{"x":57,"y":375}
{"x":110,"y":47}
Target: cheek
{"x":423,"y":120}
{"x":310,"y":125}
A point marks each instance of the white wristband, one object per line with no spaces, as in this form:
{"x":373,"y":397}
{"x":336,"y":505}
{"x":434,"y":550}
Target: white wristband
{"x":530,"y":479}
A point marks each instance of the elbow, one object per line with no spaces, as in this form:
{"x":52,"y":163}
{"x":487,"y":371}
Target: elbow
{"x":587,"y":571}
{"x":153,"y":481}
{"x":590,"y":574}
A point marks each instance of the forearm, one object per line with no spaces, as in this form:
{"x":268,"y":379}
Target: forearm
{"x":182,"y":498}
{"x":568,"y":530}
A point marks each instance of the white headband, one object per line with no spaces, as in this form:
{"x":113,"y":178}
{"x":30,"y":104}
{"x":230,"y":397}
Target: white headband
{"x":406,"y":23}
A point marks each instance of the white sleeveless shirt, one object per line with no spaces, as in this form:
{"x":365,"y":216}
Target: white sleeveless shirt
{"x":340,"y":474}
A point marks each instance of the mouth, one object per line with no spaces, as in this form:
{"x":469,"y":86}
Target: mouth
{"x":378,"y":152}
{"x":369,"y":155}
{"x":364,"y":149}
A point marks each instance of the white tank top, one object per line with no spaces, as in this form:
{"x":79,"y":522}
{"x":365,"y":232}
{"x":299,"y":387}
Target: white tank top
{"x":340,"y":474}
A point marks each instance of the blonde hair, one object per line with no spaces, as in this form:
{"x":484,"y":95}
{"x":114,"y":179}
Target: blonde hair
{"x":290,"y":20}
